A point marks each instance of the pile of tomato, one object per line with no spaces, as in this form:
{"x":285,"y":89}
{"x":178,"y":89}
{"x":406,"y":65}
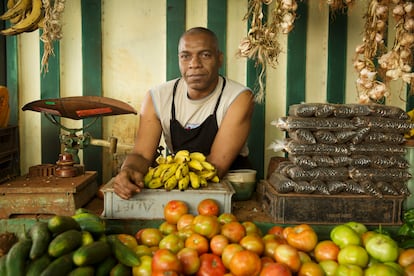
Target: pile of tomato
{"x":212,"y":243}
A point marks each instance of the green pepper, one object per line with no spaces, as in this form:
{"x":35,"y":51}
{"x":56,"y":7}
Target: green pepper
{"x":403,"y":230}
{"x":408,"y":216}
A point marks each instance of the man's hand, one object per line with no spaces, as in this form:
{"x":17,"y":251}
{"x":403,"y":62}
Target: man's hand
{"x":128,"y":182}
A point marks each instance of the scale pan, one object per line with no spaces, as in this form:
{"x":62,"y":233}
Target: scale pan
{"x":80,"y":107}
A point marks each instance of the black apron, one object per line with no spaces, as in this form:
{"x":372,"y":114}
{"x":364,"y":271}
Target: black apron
{"x":201,"y":138}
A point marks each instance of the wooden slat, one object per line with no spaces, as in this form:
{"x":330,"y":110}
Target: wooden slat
{"x":92,"y":76}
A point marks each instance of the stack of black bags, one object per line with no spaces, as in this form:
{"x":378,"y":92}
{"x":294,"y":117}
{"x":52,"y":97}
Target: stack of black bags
{"x":344,"y":148}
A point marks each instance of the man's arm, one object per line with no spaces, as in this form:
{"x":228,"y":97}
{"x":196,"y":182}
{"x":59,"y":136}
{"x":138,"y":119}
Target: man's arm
{"x":233,"y":133}
{"x":130,"y":178}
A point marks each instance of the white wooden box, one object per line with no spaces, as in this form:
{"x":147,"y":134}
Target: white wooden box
{"x":149,"y":203}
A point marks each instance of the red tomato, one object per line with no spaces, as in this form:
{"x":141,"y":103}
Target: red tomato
{"x":217,"y":244}
{"x":302,"y":237}
{"x":311,"y":269}
{"x":174,"y":209}
{"x":276,"y":230}
{"x":167,"y":228}
{"x":251,"y":228}
{"x":197,"y":242}
{"x":226,"y":217}
{"x":165,"y":261}
{"x":190,"y":260}
{"x":245,"y":263}
{"x":326,"y":250}
{"x":149,"y":236}
{"x":207,"y":226}
{"x":406,"y":257}
{"x":274,"y":269}
{"x":184,"y":221}
{"x":208,"y":207}
{"x":253,"y":243}
{"x":289,"y":256}
{"x":234,"y":231}
{"x":228,"y":253}
{"x":211,"y":265}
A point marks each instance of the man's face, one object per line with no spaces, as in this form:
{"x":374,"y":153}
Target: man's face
{"x":199,"y":61}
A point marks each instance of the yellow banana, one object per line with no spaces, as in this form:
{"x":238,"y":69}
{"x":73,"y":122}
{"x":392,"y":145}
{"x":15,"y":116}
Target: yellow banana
{"x":182,"y":152}
{"x":195,"y":165}
{"x":185,"y":169}
{"x":159,"y":170}
{"x":170,"y":183}
{"x":208,"y":166}
{"x":148,"y":176}
{"x":155,"y":183}
{"x":178,"y":172}
{"x":203,"y":181}
{"x":19,"y":7}
{"x":161,"y":159}
{"x":194,"y":180}
{"x":169,"y":172}
{"x":215,"y":179}
{"x":197,"y":156}
{"x":207,"y":174}
{"x":181,"y":158}
{"x":29,"y":22}
{"x":170,"y":159}
{"x":184,"y":182}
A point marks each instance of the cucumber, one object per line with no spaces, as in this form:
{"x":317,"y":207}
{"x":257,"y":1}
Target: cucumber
{"x":123,"y":253}
{"x":59,"y":224}
{"x":87,"y":238}
{"x":41,"y":236}
{"x":36,"y":267}
{"x":3,"y":270}
{"x":82,"y":210}
{"x":91,"y":253}
{"x":17,"y":257}
{"x":90,"y":222}
{"x":83,"y":271}
{"x":65,"y":242}
{"x":59,"y":266}
{"x":121,"y":270}
{"x":104,"y":267}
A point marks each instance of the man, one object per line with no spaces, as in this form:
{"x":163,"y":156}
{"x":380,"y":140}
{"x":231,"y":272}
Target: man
{"x":202,"y":111}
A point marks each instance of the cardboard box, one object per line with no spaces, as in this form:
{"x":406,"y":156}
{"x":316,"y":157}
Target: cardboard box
{"x":149,"y":203}
{"x":294,"y":208}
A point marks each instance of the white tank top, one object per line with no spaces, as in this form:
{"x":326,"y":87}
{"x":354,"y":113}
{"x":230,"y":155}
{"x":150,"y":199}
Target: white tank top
{"x":191,"y":113}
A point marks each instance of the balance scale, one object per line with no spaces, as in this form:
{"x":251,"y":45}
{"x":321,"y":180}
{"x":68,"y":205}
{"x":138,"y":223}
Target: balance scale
{"x":61,"y":188}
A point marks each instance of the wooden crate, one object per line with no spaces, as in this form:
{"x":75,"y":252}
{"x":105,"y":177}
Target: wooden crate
{"x":9,"y":153}
{"x":294,"y":208}
{"x":50,"y":195}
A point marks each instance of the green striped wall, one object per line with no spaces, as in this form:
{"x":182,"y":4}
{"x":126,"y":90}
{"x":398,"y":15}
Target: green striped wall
{"x":92,"y":76}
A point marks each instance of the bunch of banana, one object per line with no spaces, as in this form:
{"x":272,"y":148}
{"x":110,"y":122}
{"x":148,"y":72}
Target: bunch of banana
{"x":181,"y":171}
{"x":23,"y":15}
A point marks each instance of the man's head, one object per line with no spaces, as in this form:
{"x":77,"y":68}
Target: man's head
{"x":200,"y":60}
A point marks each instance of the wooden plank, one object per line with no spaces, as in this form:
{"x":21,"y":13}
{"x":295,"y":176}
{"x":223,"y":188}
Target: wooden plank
{"x":92,"y":76}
